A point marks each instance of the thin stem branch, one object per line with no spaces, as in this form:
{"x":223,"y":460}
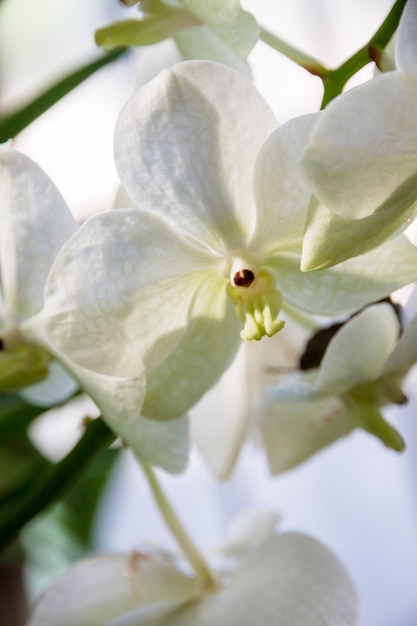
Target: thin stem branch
{"x":301,"y":58}
{"x":201,"y":568}
{"x":336,"y":79}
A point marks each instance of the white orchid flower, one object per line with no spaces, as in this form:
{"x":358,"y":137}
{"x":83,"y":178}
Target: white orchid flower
{"x":263,"y":578}
{"x":34,"y":224}
{"x":213,"y":246}
{"x":362,"y":371}
{"x":361,"y":161}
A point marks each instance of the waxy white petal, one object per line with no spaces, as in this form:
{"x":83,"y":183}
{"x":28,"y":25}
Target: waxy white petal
{"x":201,"y":42}
{"x":357,"y":352}
{"x":351,"y":285}
{"x":119,"y":399}
{"x":404,"y":355}
{"x":57,"y":387}
{"x":406,"y":39}
{"x":281,"y":192}
{"x":98,"y":589}
{"x":205,"y":351}
{"x":249,"y":530}
{"x":292,"y":432}
{"x":220,"y":421}
{"x":330,"y":239}
{"x":186,"y":151}
{"x":236,"y":27}
{"x":120,"y":292}
{"x":363,"y":149}
{"x":291,"y":580}
{"x":34,"y":224}
{"x":301,"y":388}
{"x":162,"y":443}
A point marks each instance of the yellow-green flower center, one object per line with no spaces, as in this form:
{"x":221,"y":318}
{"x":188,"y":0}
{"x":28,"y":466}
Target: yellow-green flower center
{"x":257,"y":300}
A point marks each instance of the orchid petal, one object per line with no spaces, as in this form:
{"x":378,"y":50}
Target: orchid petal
{"x":153,"y":615}
{"x":249,"y":530}
{"x":350,"y":285}
{"x":404,"y":355}
{"x":35,"y":222}
{"x":120,"y":292}
{"x":364,"y":147}
{"x":220,"y":421}
{"x":236,"y":27}
{"x":184,"y":150}
{"x":292,"y":432}
{"x":406,"y":39}
{"x":296,"y":389}
{"x":120,"y":400}
{"x":201,"y":42}
{"x":205,"y":351}
{"x":290,"y":577}
{"x":101,"y":588}
{"x":359,"y":349}
{"x":330,"y":239}
{"x":162,"y":443}
{"x":56,"y":388}
{"x":281,"y":193}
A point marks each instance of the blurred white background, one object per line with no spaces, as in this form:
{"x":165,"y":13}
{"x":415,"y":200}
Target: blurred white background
{"x":356,"y":497}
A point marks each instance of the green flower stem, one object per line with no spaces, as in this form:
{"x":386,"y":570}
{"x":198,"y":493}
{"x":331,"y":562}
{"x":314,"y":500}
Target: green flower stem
{"x":51,"y":483}
{"x":335,"y":80}
{"x":304,"y":60}
{"x":370,"y":419}
{"x":12,"y":124}
{"x":201,"y":568}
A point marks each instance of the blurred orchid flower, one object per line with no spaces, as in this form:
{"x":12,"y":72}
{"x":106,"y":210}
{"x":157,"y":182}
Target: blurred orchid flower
{"x":34,"y":224}
{"x":362,"y":370}
{"x":261,"y":577}
{"x":361,"y":161}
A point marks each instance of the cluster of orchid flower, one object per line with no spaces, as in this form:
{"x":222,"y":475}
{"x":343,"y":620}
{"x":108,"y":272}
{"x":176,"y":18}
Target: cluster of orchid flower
{"x":224,"y":220}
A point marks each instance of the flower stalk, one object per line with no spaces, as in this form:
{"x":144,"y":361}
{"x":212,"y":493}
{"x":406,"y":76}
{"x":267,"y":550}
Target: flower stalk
{"x":204,"y":575}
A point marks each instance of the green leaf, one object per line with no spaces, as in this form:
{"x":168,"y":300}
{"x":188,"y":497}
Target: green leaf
{"x":19,"y":459}
{"x":52,"y":481}
{"x":19,"y":462}
{"x":16,"y":415}
{"x":83,"y":499}
{"x":14,"y":123}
